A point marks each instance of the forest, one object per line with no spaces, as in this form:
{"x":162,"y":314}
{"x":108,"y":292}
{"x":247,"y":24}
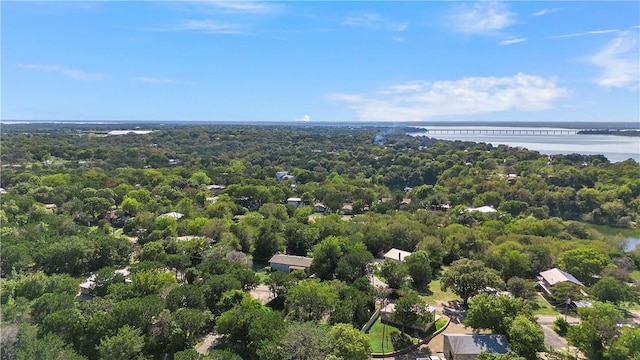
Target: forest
{"x":175,"y":228}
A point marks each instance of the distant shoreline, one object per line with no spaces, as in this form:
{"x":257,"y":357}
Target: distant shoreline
{"x":621,"y":132}
{"x":421,"y":124}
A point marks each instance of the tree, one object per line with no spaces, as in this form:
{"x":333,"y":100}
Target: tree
{"x":583,"y":263}
{"x":49,"y":346}
{"x":597,"y":330}
{"x":611,"y":289}
{"x":412,"y":310}
{"x":310,"y":300}
{"x":326,"y":256}
{"x":467,"y":278}
{"x":248,"y":325}
{"x":185,"y":296}
{"x":495,"y":312}
{"x":526,"y":337}
{"x":494,"y":356}
{"x":68,"y":324}
{"x":305,"y":341}
{"x":279,"y":283}
{"x":346,"y":342}
{"x":418,"y":266}
{"x":394,"y":273}
{"x":126,"y":344}
{"x":627,"y":344}
{"x":522,"y":288}
{"x":268,"y":240}
{"x":49,"y":303}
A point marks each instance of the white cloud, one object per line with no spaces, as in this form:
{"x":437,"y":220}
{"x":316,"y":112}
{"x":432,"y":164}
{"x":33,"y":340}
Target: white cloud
{"x":246,"y":6}
{"x":421,"y":100}
{"x":152,"y":80}
{"x":512,"y":41}
{"x":592,"y":32}
{"x":619,"y":62}
{"x":209,"y":27}
{"x":70,"y":73}
{"x":201,"y":26}
{"x":305,"y":118}
{"x":482,"y":17}
{"x":545,"y":12}
{"x":374,"y":21}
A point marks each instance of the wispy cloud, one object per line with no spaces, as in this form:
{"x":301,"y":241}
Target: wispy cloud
{"x":545,"y":12}
{"x":482,"y":17}
{"x":422,"y":100}
{"x":618,"y":61}
{"x":152,"y":80}
{"x":202,"y":26}
{"x":254,"y":7}
{"x":68,"y":72}
{"x":512,"y":41}
{"x":372,"y":20}
{"x":592,"y":32}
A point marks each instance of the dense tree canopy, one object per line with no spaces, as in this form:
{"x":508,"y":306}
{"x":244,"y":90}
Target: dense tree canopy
{"x":192,"y":212}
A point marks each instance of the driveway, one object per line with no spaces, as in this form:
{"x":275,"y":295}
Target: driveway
{"x":262,"y":293}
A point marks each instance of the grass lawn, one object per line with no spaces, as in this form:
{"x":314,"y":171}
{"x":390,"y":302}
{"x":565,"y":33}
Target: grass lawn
{"x":635,"y":275}
{"x":544,"y":308}
{"x":375,"y":337}
{"x":437,"y":294}
{"x":440,"y":323}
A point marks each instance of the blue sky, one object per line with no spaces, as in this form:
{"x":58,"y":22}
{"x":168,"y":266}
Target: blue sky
{"x":321,"y":61}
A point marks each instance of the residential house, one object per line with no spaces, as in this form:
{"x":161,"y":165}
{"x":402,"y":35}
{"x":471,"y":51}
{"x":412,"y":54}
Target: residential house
{"x":174,"y":214}
{"x":469,"y":346}
{"x":295,"y":201}
{"x":346,"y":209}
{"x":550,"y":277}
{"x":482,"y":209}
{"x":87,"y":286}
{"x":319,"y":208}
{"x":284,"y":175}
{"x":51,"y":206}
{"x":396,"y":255}
{"x":288,"y":263}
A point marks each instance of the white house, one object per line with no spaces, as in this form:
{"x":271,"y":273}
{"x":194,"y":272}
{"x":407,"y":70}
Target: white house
{"x":295,"y":201}
{"x":482,"y":209}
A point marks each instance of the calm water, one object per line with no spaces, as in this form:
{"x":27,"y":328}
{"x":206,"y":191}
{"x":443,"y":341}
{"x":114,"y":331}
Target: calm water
{"x":631,"y":244}
{"x":615,"y":148}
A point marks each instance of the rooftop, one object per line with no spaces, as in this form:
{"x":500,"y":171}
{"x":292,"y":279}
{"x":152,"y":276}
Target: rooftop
{"x":476,"y":343}
{"x":396,"y":254}
{"x":555,"y":275}
{"x":291,"y":260}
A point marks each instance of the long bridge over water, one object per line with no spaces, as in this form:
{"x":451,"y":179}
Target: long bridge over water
{"x":502,"y":131}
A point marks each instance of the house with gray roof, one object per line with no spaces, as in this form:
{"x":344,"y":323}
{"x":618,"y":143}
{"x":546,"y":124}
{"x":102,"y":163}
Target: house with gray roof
{"x":554,"y":276}
{"x":469,"y":346}
{"x":288,"y":263}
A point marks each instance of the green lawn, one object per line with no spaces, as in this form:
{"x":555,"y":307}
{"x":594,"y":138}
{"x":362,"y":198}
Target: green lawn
{"x":635,"y":275}
{"x":544,"y":308}
{"x":440,"y":323}
{"x":375,"y":337}
{"x":437,"y":294}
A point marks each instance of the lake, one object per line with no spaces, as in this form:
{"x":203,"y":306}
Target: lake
{"x":631,"y":244}
{"x":615,"y":148}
